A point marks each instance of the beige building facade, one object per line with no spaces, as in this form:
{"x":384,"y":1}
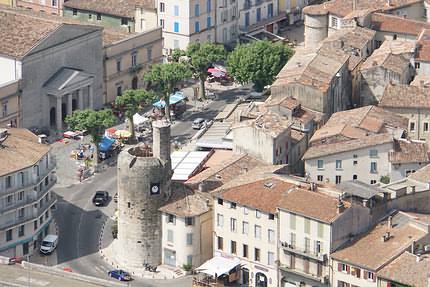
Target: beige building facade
{"x":9,"y":101}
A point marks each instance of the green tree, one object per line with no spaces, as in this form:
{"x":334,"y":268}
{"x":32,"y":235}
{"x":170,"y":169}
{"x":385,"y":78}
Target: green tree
{"x":163,"y":79}
{"x":201,"y":57}
{"x":94,"y":122}
{"x":133,"y":101}
{"x":258,"y":62}
{"x":177,"y":54}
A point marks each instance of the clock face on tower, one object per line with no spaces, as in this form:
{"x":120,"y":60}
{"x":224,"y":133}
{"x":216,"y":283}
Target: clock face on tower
{"x":155,"y":188}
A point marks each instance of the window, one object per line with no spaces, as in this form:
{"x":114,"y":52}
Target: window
{"x":271,"y":235}
{"x":307,"y":245}
{"x":373,"y":167}
{"x":220,"y":243}
{"x":208,"y":22}
{"x":233,"y":205}
{"x":373,"y":153}
{"x":176,"y":27}
{"x":124,"y":21}
{"x":320,"y":164}
{"x":9,"y":199}
{"x":21,"y":231}
{"x":99,"y":16}
{"x":170,"y":236}
{"x":258,"y":14}
{"x":354,"y":162}
{"x":220,"y":220}
{"x":118,"y":90}
{"x":426,"y":127}
{"x":41,"y":220}
{"x":292,"y":221}
{"x":270,"y":258}
{"x":293,"y":240}
{"x":162,"y":23}
{"x":320,"y":230}
{"x":338,"y":179}
{"x":4,"y":109}
{"x":257,"y":213}
{"x":356,"y":272}
{"x":245,"y":251}
{"x":134,"y":59}
{"x":270,"y":10}
{"x":320,"y":178}
{"x":54,"y":3}
{"x":334,"y":22}
{"x":317,"y":247}
{"x":246,"y":19}
{"x":369,"y":276}
{"x":372,"y":181}
{"x":189,"y":239}
{"x":395,"y":37}
{"x":208,"y":6}
{"x":343,"y":268}
{"x":118,"y":65}
{"x":35,"y":224}
{"x":190,"y":259}
{"x":9,"y":235}
{"x":307,"y":226}
{"x":256,"y":254}
{"x":271,"y":216}
{"x":245,"y":227}
{"x":417,"y":65}
{"x":197,"y":27}
{"x":220,"y":201}
{"x":171,"y":218}
{"x":233,"y":224}
{"x":21,"y":195}
{"x":233,"y":247}
{"x":75,"y":12}
{"x":338,"y":164}
{"x":162,"y":7}
{"x":412,"y":126}
{"x":189,"y":221}
{"x":21,"y":177}
{"x":354,"y":177}
{"x":197,"y":10}
{"x":176,"y":10}
{"x":90,"y":16}
{"x":21,"y":212}
{"x":9,"y":181}
{"x":257,"y":231}
{"x":245,"y":210}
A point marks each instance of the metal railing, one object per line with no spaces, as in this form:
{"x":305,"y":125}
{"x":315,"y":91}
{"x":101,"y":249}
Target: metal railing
{"x":304,"y":252}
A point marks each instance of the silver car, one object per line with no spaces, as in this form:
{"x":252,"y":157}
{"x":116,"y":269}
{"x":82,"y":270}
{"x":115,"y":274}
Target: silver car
{"x":198,"y":123}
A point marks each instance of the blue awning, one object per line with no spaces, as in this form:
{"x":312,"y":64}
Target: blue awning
{"x":105,"y":144}
{"x":174,"y":99}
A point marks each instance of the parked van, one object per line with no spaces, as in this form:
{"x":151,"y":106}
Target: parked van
{"x":49,"y":244}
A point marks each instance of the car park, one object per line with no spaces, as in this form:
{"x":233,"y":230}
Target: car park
{"x":121,"y":275}
{"x":100,"y":198}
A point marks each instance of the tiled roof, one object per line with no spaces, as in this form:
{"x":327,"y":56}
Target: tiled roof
{"x":395,"y":24}
{"x":349,"y":39}
{"x":371,"y":252}
{"x":20,"y":150}
{"x":393,"y":55}
{"x":406,"y":270}
{"x":20,"y":33}
{"x":423,"y":46}
{"x":421,"y":175}
{"x":263,"y":195}
{"x":312,"y":204}
{"x":345,"y":146}
{"x":270,"y":123}
{"x":421,"y":80}
{"x":405,"y":96}
{"x":409,"y":152}
{"x":186,"y":202}
{"x":344,"y":7}
{"x":122,"y":8}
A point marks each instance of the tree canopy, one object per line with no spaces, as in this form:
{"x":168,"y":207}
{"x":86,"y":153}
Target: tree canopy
{"x":258,"y":62}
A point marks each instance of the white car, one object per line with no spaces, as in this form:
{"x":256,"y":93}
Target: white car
{"x":49,"y":243}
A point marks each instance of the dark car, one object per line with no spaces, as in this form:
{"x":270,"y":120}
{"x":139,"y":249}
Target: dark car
{"x":121,"y":275}
{"x":100,"y":198}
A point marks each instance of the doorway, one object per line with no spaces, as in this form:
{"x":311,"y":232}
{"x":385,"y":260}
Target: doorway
{"x":134,"y":83}
{"x":63,"y":111}
{"x":52,"y":113}
{"x":260,"y":280}
{"x":169,"y":257}
{"x":25,"y":248}
{"x":245,"y":277}
{"x":74,"y":104}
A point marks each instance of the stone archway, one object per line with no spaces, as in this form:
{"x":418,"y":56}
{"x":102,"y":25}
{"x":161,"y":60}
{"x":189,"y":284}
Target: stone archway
{"x":260,"y":280}
{"x":52,"y":115}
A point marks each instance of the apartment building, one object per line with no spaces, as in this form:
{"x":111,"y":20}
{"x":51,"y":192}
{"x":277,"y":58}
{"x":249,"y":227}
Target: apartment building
{"x":257,"y":14}
{"x":186,"y":22}
{"x":227,"y":22}
{"x":26,"y":180}
{"x":9,"y":101}
{"x":246,"y":227}
{"x":187,"y":229}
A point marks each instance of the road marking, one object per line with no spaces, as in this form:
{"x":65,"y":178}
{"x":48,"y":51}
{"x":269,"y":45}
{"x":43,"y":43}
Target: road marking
{"x":33,"y":281}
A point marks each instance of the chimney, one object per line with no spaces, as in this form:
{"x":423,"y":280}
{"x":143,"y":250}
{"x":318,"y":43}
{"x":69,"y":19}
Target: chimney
{"x":390,"y":222}
{"x":161,"y":140}
{"x":340,"y":206}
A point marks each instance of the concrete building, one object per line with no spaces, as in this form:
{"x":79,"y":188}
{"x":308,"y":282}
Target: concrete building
{"x":411,"y":102}
{"x":392,"y":63}
{"x":126,"y":58}
{"x":10,"y":107}
{"x":26,"y":179}
{"x":187,"y":228}
{"x":227,"y":22}
{"x":258,"y":14}
{"x":359,"y":262}
{"x":293,"y":8}
{"x":54,"y":7}
{"x":143,"y":187}
{"x":186,"y":22}
{"x":71,"y":81}
{"x":130,"y":15}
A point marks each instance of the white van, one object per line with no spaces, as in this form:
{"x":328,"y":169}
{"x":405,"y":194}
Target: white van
{"x":49,"y":244}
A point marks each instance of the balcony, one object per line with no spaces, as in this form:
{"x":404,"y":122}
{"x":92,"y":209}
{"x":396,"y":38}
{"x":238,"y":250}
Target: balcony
{"x":247,"y":5}
{"x":302,"y":252}
{"x":300,"y":273}
{"x":135,"y":68}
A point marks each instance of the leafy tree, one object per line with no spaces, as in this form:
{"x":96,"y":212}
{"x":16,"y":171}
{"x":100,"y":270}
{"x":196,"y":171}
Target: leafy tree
{"x":258,"y":62}
{"x":133,"y":101}
{"x":94,"y":122}
{"x":163,"y":79}
{"x":177,"y":54}
{"x":385,"y":179}
{"x":201,"y":57}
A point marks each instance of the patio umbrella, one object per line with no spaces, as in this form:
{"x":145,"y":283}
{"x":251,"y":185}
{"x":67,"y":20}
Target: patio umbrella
{"x":122,"y":133}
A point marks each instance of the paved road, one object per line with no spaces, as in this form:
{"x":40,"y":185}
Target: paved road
{"x":80,"y":222}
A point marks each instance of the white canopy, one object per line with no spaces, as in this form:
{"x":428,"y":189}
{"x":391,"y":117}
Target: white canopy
{"x":218,"y":265}
{"x":138,"y":119}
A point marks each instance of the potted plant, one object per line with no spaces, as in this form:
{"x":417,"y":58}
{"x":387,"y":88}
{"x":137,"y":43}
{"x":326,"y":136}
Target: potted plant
{"x":187,"y":268}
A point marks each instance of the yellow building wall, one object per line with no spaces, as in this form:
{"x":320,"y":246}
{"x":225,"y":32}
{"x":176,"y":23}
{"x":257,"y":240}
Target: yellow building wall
{"x":6,"y":2}
{"x":282,"y":5}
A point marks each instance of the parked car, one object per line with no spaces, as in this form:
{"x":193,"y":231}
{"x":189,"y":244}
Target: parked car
{"x":49,"y":243}
{"x":115,"y":197}
{"x":119,"y":274}
{"x":100,"y":198}
{"x":198,"y":123}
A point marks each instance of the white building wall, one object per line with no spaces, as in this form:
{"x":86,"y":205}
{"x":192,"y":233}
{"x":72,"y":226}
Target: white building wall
{"x":351,"y":276}
{"x":10,"y":70}
{"x":423,"y":69}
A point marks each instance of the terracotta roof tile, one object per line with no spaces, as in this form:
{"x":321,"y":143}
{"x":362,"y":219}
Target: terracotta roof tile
{"x":395,"y":24}
{"x":122,"y":8}
{"x":421,"y":175}
{"x":423,"y":46}
{"x":409,"y":152}
{"x":405,"y":96}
